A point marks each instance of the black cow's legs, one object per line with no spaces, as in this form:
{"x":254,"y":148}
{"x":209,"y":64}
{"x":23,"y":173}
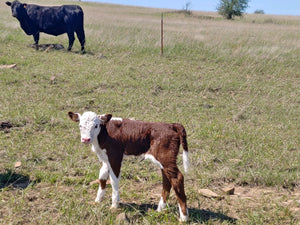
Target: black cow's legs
{"x":36,"y":38}
{"x":81,"y":38}
{"x":71,"y":39}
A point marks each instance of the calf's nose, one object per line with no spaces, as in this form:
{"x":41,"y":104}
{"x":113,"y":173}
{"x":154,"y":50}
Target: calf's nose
{"x":85,"y":140}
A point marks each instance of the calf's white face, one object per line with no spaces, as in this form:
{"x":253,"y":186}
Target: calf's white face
{"x":89,"y":124}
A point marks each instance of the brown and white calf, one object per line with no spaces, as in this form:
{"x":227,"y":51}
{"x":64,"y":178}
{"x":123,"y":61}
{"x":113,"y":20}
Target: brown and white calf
{"x":112,"y":138}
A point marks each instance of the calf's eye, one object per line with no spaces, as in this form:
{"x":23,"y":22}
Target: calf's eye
{"x":96,"y":126}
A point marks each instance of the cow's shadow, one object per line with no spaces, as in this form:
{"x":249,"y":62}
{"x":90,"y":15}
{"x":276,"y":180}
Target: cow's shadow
{"x":60,"y":47}
{"x":56,"y":47}
{"x":12,"y":179}
{"x":195,"y":215}
{"x":47,"y":47}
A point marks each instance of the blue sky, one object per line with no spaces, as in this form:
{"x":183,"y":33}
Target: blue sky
{"x":277,"y":7}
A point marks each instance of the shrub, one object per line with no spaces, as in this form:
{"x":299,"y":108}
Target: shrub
{"x":259,"y":11}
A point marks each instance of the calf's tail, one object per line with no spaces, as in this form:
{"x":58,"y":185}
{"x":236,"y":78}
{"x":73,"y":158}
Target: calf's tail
{"x":185,"y":156}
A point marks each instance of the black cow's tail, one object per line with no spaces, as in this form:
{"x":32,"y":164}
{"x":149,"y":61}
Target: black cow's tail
{"x":182,"y":135}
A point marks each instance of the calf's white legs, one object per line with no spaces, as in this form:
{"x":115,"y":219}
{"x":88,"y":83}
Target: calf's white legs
{"x":115,"y":189}
{"x":161,"y":205}
{"x":103,"y":176}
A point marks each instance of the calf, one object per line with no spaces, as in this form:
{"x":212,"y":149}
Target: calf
{"x":112,"y":138}
{"x":55,"y":20}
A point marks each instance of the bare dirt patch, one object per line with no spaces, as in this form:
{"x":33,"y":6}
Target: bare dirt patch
{"x":247,"y":201}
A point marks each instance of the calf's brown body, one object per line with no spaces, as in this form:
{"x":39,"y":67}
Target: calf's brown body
{"x":157,"y":141}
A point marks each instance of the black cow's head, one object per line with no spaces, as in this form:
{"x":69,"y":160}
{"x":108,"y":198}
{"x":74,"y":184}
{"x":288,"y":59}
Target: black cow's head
{"x":17,"y":8}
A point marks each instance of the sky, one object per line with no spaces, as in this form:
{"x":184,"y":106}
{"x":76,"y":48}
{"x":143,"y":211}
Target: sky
{"x":276,"y":7}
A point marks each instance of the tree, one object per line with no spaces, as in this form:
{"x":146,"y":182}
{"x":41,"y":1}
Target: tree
{"x":259,"y":11}
{"x":231,"y":8}
{"x":187,"y":8}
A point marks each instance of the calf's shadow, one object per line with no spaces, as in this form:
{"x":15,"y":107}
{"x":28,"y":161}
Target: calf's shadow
{"x":195,"y":215}
{"x":12,"y":179}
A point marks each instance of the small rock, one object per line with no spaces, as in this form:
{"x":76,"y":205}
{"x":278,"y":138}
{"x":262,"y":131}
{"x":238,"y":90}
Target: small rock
{"x":235,"y":160}
{"x":18,"y":164}
{"x":122,"y":219}
{"x":209,"y":194}
{"x":8,"y":66}
{"x":228,"y":190}
{"x":52,"y":79}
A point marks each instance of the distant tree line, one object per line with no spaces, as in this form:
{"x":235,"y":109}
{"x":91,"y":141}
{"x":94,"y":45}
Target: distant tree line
{"x":259,"y":11}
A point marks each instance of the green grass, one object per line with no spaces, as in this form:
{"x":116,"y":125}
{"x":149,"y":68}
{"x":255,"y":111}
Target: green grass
{"x":234,"y":85}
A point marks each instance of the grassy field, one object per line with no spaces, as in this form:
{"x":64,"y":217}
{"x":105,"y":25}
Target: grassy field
{"x":234,"y":85}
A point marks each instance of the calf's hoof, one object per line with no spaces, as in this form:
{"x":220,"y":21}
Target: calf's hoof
{"x":114,"y":206}
{"x":183,"y":219}
{"x":98,"y":200}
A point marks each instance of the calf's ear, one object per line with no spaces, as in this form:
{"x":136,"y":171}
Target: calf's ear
{"x":74,"y":116}
{"x":105,"y":118}
{"x":8,"y":3}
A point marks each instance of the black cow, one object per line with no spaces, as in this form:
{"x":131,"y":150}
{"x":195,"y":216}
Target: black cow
{"x":54,"y":20}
